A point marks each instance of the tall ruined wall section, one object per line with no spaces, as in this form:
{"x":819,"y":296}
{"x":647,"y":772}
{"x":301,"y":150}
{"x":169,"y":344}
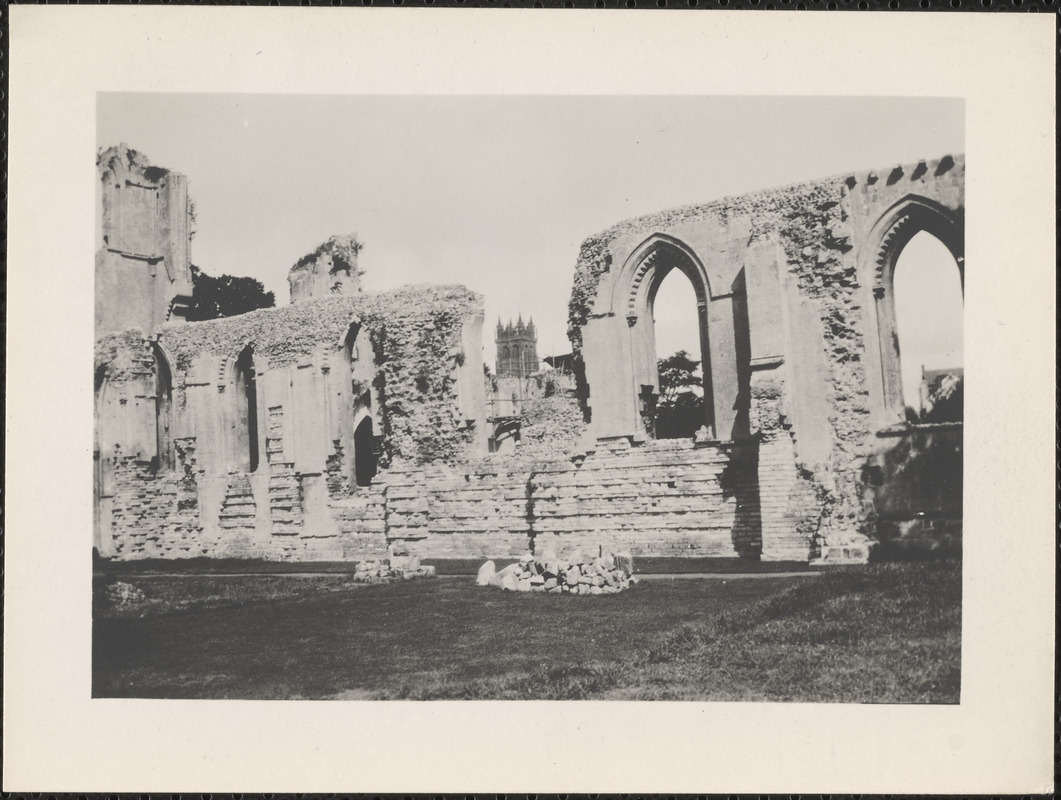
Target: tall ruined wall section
{"x":143,"y":257}
{"x":806,"y":261}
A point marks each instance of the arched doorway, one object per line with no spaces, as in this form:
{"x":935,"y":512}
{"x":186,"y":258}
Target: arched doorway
{"x":247,"y":414}
{"x":365,"y":458}
{"x":506,"y":436}
{"x":163,"y":411}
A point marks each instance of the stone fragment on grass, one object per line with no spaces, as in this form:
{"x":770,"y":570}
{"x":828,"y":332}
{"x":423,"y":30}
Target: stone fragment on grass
{"x":486,"y":572}
{"x":123,"y":595}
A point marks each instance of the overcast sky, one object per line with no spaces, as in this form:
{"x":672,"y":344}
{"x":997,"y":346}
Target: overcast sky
{"x":496,"y":193}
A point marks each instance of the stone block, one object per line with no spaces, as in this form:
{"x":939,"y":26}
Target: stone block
{"x":625,"y":562}
{"x":486,"y":573}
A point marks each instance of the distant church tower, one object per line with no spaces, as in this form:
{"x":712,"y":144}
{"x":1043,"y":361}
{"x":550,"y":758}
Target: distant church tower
{"x":517,"y":349}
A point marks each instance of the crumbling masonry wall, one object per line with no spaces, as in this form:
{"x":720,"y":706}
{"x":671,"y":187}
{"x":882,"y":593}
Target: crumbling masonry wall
{"x":260,"y":435}
{"x":329,"y":270}
{"x":143,"y":256}
{"x":798,"y":323}
{"x":399,"y":359}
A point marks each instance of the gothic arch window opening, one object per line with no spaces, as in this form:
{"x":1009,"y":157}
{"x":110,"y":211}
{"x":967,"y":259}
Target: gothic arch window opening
{"x":653,"y":262}
{"x":680,"y":405}
{"x":928,"y":320}
{"x":928,"y":276}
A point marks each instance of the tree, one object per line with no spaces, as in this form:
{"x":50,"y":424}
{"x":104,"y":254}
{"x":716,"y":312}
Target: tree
{"x":680,"y":410}
{"x":226,"y":296}
{"x":677,"y":374}
{"x":946,"y":402}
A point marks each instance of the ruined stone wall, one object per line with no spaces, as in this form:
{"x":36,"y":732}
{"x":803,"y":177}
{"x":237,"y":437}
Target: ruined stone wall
{"x":401,"y":358}
{"x":414,"y":340}
{"x":329,"y":270}
{"x":665,"y":498}
{"x":799,"y":272}
{"x":143,"y":258}
{"x":551,"y":426}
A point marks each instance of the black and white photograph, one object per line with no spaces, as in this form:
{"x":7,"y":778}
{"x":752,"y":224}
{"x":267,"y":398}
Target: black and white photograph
{"x":649,"y":397}
{"x":482,"y":400}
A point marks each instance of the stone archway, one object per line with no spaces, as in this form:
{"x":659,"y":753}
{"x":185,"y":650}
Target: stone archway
{"x":892,"y":232}
{"x":640,"y":280}
{"x":365,"y":459}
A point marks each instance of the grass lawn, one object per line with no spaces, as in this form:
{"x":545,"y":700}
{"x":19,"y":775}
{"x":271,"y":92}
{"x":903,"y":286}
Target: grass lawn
{"x":886,"y":633}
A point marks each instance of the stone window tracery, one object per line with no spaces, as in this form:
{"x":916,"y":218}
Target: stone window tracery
{"x":890,"y":236}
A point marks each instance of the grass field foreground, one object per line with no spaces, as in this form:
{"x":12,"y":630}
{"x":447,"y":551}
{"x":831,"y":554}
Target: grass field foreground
{"x":884,"y":633}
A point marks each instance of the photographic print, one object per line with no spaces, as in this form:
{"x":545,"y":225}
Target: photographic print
{"x":467,"y":400}
{"x":527,"y":398}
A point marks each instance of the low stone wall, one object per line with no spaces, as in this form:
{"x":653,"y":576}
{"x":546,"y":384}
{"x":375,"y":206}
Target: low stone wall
{"x":659,"y":498}
{"x":665,"y":498}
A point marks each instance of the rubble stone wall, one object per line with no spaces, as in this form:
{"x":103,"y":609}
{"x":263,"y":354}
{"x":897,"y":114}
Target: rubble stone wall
{"x":405,"y":359}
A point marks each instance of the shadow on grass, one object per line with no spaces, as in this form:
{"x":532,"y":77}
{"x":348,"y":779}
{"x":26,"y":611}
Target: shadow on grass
{"x":882,"y":633}
{"x":886,"y":633}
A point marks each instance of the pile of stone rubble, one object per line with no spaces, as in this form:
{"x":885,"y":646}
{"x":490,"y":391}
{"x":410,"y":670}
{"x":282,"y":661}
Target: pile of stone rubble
{"x":400,"y":566}
{"x":575,"y":574}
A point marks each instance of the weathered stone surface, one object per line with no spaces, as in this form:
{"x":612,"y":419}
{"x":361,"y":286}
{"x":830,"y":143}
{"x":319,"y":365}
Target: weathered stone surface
{"x":330,"y":270}
{"x":486,"y":572}
{"x":625,"y":562}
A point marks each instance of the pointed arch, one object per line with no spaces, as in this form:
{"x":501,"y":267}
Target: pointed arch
{"x":163,"y":410}
{"x":900,"y":223}
{"x":878,"y":258}
{"x":365,"y":456}
{"x":639,"y":281}
{"x":645,"y":268}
